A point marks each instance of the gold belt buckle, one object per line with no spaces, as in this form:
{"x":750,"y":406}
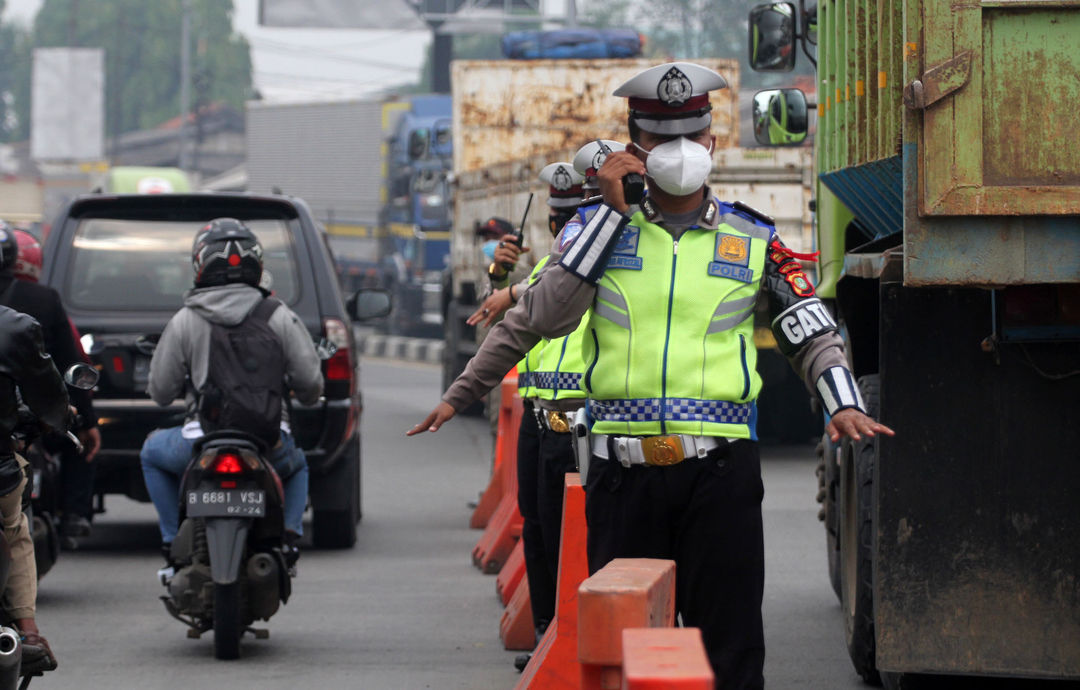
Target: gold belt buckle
{"x":663,"y":450}
{"x":557,"y":422}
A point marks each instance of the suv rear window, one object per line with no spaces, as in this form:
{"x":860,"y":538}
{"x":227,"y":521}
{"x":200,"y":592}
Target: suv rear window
{"x":146,"y":264}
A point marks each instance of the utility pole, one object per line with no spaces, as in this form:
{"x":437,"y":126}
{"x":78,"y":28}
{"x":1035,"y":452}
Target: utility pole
{"x":442,"y":52}
{"x":185,"y":83}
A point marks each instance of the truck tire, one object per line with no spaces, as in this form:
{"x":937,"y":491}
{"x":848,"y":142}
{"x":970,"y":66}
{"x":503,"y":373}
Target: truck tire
{"x":336,"y":528}
{"x":857,"y":541}
{"x":829,"y":491}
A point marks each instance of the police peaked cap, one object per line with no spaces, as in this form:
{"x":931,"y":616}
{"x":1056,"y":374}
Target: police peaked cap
{"x":672,"y":98}
{"x":564,"y":185}
{"x":589,"y":158}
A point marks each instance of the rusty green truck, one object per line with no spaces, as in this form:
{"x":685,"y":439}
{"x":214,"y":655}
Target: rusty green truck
{"x":948,"y":220}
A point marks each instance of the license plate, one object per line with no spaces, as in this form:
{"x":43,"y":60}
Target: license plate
{"x":226,"y":503}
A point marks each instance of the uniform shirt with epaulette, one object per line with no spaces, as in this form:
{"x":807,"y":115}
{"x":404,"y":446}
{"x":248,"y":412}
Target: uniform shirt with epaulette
{"x":555,"y":303}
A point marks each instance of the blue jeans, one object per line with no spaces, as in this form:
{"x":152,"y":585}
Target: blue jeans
{"x":166,"y":453}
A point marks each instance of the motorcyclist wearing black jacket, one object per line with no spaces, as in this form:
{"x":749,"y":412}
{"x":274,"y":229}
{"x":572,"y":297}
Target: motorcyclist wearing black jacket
{"x":44,"y":305}
{"x":26,"y":369}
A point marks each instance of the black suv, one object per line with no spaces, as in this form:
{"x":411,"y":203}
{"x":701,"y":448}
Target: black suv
{"x":122,"y":264}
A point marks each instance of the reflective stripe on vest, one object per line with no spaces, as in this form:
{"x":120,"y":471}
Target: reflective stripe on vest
{"x":671,"y":348}
{"x":531,"y":361}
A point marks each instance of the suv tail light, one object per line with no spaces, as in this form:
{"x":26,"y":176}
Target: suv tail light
{"x":340,"y":366}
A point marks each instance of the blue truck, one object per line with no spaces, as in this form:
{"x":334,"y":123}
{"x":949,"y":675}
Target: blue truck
{"x":417,"y":214}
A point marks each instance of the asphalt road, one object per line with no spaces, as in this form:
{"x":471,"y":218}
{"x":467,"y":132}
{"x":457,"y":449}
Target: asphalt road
{"x":405,"y":608}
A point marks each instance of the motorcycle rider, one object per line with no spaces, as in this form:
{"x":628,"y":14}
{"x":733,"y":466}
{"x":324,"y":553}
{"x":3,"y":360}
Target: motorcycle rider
{"x":20,"y":267}
{"x":227,"y":259}
{"x":25,"y":366}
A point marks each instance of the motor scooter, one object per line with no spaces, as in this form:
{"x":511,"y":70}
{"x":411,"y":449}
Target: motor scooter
{"x":27,"y":430}
{"x":229,"y":551}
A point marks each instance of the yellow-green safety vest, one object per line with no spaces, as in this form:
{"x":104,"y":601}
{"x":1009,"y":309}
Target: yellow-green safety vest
{"x":553,"y":369}
{"x":670,"y":333}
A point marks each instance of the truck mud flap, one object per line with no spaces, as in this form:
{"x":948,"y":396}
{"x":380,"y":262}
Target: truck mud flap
{"x":976,"y":565}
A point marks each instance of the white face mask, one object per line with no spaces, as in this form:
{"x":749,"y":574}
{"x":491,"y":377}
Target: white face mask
{"x":679,"y":166}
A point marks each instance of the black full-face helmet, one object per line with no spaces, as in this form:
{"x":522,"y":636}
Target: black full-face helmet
{"x":226,"y":251}
{"x":9,"y":247}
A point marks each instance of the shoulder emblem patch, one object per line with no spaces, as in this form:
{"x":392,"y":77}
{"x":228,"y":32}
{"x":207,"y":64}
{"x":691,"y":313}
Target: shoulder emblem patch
{"x":799,"y":283}
{"x":570,"y":232}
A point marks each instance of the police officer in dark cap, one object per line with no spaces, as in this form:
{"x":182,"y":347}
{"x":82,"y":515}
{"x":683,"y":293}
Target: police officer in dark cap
{"x":667,"y":288}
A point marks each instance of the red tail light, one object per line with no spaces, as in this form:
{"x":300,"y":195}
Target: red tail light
{"x":228,"y":463}
{"x":340,"y":366}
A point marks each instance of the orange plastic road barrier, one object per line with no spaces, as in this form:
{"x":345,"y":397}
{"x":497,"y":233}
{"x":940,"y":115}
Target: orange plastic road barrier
{"x":489,"y":500}
{"x":504,"y":528}
{"x":554,"y":664}
{"x":625,"y":593}
{"x":512,"y":573}
{"x":516,"y":628}
{"x":665,"y":659}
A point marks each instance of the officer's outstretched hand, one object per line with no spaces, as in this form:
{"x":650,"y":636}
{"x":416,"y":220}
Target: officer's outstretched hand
{"x":853,"y":423}
{"x":439,"y":416}
{"x":492,"y":308}
{"x":617,"y":165}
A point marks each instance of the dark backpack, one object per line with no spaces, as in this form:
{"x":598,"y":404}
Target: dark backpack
{"x":245,"y":377}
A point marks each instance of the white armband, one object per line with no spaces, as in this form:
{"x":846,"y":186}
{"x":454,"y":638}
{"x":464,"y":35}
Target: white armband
{"x":588,"y":255}
{"x":838,"y":391}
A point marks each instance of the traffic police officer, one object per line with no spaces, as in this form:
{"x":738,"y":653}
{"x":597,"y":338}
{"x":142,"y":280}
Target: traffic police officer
{"x":668,"y":290}
{"x":587,"y":162}
{"x":549,"y":378}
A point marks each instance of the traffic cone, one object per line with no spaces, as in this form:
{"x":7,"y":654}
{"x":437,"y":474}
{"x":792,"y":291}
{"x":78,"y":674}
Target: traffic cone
{"x":625,"y":593}
{"x":504,"y":528}
{"x":512,"y":573}
{"x":516,"y":628}
{"x":554,"y":663}
{"x":489,"y":500}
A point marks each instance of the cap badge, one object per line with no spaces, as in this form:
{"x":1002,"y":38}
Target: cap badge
{"x":674,"y":89}
{"x":561,"y":180}
{"x":598,"y":159}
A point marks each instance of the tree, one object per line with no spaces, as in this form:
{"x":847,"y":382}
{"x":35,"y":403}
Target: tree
{"x":142,"y":57}
{"x":13,"y":54}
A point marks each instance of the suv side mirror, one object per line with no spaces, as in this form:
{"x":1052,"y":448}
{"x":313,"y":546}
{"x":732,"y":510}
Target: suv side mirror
{"x":369,"y":303}
{"x":772,"y":37}
{"x":780,"y":117}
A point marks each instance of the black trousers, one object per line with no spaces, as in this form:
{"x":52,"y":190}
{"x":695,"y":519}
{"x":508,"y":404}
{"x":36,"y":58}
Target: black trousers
{"x":541,"y":586}
{"x":705,"y":514}
{"x":544,"y":458}
{"x":77,"y":484}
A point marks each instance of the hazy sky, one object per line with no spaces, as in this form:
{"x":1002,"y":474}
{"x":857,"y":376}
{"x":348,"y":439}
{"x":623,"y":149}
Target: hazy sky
{"x":312,"y":64}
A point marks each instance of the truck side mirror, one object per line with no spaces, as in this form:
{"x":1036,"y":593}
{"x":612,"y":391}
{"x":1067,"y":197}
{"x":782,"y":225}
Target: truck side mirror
{"x":418,"y":143}
{"x":780,"y":117}
{"x":772,"y":37}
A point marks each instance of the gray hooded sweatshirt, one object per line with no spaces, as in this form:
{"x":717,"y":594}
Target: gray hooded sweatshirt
{"x":184,"y":347}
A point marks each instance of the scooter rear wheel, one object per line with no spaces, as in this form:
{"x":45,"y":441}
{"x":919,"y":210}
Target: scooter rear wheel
{"x":227,"y":627}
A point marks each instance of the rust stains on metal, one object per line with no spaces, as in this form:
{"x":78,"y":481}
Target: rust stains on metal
{"x":510,"y":109}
